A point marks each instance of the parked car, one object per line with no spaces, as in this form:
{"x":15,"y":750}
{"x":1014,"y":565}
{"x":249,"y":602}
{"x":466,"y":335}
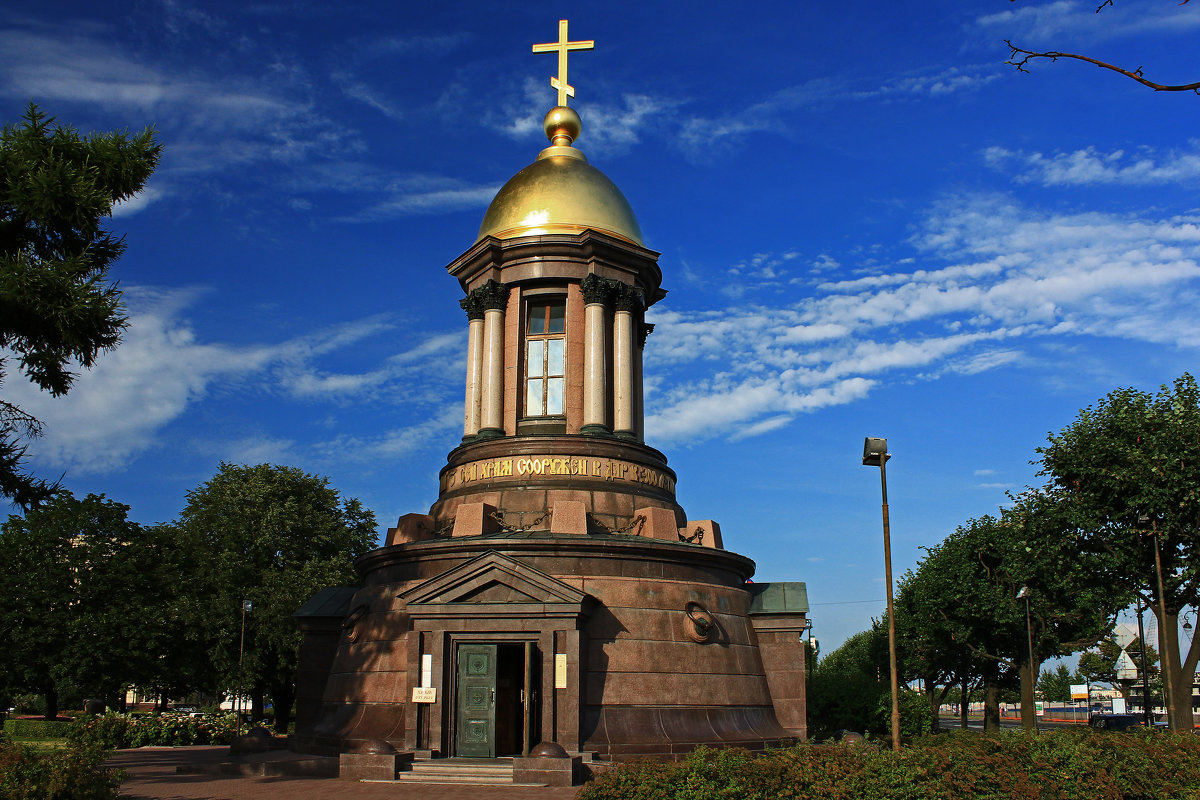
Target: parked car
{"x":1114,"y":722}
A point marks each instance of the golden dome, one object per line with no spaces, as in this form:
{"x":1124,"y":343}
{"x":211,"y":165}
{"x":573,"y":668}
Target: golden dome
{"x":560,"y":192}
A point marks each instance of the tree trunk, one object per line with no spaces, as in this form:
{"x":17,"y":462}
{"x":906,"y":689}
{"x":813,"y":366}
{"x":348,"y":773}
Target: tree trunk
{"x":51,"y":694}
{"x":964,"y":706}
{"x":935,"y":704}
{"x":283,"y":695}
{"x":256,"y":703}
{"x":1177,"y":673}
{"x":991,"y":706}
{"x":1028,"y":702}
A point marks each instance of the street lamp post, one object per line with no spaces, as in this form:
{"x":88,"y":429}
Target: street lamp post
{"x":246,"y":606}
{"x":875,"y":454}
{"x":1145,"y":675}
{"x":1024,"y":594}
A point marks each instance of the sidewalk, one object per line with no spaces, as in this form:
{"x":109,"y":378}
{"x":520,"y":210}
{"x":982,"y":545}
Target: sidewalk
{"x":151,"y":775}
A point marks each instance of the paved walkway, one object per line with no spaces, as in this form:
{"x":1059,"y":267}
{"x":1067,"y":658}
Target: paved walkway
{"x":151,"y":775}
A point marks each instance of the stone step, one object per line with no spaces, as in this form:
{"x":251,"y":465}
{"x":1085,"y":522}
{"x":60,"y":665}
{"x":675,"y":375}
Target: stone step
{"x":464,"y":772}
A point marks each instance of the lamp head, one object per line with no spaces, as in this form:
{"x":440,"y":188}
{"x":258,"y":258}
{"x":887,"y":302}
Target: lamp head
{"x":875,"y":452}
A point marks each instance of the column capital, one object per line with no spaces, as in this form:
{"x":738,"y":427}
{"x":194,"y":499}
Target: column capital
{"x":596,"y":290}
{"x":492,"y":296}
{"x":473,"y":305}
{"x":644,"y":330}
{"x":627,"y":298}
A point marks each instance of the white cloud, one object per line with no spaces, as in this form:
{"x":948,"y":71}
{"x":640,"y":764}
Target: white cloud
{"x":132,"y":205}
{"x":120,"y":407}
{"x":996,"y":281}
{"x":1092,"y":167}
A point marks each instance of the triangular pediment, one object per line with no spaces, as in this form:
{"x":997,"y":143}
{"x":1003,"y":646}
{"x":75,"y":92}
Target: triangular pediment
{"x":493,"y":578}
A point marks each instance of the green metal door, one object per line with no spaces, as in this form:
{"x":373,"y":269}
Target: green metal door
{"x":476,"y":704}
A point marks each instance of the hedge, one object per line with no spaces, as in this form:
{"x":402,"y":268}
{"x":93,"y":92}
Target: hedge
{"x":36,"y":728}
{"x":119,"y":731}
{"x":1058,"y":765}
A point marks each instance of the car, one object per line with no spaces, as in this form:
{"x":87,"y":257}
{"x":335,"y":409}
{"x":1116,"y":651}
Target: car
{"x":1114,"y":722}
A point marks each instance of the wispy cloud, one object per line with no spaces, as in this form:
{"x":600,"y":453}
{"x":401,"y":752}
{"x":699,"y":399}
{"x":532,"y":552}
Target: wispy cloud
{"x":701,"y":136}
{"x":120,"y":408}
{"x":1078,"y":21}
{"x":997,"y":280}
{"x":1089,"y":166}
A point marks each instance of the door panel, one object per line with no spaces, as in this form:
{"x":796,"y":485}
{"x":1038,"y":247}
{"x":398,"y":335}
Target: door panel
{"x":476,"y":710}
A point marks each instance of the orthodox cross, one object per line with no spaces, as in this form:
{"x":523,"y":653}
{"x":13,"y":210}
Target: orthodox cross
{"x":562,"y":46}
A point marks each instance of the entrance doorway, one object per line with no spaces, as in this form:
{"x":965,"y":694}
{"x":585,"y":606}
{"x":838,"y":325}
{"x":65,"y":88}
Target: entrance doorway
{"x":497,"y":707}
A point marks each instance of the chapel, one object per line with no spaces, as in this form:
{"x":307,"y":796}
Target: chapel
{"x":555,"y":594}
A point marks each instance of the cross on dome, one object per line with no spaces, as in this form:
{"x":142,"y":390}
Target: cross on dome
{"x":562,"y":47}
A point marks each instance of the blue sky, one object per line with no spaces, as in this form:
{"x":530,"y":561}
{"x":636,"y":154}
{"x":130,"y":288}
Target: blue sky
{"x":869,"y":226}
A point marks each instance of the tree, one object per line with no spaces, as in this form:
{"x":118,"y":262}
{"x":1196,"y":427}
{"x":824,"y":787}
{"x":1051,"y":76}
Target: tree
{"x":926,"y":643}
{"x":1019,"y":57}
{"x":1055,"y":686}
{"x":77,"y":596}
{"x":962,"y":606}
{"x":58,"y":310}
{"x":848,"y":685}
{"x":1130,"y":467}
{"x":273,"y":535}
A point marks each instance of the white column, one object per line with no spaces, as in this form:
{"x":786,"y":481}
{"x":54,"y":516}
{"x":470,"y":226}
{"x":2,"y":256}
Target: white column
{"x":594,"y":378}
{"x":471,"y":416}
{"x":623,"y":372}
{"x":493,"y":382}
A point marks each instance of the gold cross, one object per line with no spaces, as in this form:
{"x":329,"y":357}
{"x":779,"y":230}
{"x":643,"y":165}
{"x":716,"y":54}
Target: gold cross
{"x":565,"y":89}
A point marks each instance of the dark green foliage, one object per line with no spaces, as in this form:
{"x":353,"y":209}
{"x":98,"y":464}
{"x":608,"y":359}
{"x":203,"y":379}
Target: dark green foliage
{"x":960,"y":615}
{"x":916,"y":715}
{"x":58,"y":310}
{"x":1061,"y":765}
{"x":1055,"y":685}
{"x":275,"y":536}
{"x":847,"y":685}
{"x":73,"y":774}
{"x":79,"y":598}
{"x":1130,"y":466}
{"x":36,"y":728}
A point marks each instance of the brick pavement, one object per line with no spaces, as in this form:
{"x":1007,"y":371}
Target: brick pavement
{"x":151,"y":775}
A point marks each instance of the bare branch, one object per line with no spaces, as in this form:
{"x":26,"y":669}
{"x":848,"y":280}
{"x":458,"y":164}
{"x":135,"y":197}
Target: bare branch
{"x":1025,"y":56}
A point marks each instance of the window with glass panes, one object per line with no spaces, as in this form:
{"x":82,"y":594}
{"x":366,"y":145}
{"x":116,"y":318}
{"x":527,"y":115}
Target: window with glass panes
{"x":545,"y":351}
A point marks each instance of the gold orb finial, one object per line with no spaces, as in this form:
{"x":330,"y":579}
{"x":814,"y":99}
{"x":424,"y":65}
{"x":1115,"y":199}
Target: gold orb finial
{"x":562,"y":126}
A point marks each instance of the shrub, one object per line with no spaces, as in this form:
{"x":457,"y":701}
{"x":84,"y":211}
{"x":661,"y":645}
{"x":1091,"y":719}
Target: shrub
{"x":73,"y":774}
{"x":1058,"y":765}
{"x":119,"y":731}
{"x":916,"y":715}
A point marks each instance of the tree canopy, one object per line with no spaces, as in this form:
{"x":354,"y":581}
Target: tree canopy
{"x":58,"y":309}
{"x":1130,"y":466}
{"x":273,"y":535}
{"x":78,"y":599}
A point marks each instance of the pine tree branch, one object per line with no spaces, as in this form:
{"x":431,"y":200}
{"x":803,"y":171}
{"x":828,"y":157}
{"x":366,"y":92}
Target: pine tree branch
{"x":1028,"y":55}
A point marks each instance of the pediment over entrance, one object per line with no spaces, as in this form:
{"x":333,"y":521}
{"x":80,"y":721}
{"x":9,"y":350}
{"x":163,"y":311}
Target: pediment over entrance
{"x":494,"y":584}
